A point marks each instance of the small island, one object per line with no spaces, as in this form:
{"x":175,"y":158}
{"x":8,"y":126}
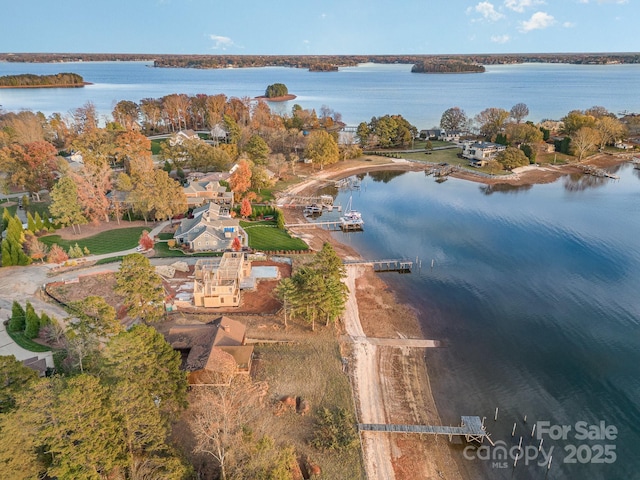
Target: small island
{"x":28,"y":80}
{"x":446,"y":66}
{"x":277,"y":92}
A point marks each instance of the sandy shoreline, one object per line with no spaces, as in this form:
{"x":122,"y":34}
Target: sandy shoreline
{"x":391,"y":383}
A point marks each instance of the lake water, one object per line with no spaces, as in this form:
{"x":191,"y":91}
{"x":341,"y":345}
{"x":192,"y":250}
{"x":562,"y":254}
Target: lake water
{"x":358,"y":93}
{"x":534,"y":291}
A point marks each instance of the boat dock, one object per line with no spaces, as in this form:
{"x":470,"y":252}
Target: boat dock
{"x":334,"y":225}
{"x":396,"y":265}
{"x":471,"y":428}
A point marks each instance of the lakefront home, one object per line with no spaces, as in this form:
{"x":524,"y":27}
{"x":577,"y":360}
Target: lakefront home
{"x":212,"y":353}
{"x":479,"y":153}
{"x":210,"y":228}
{"x":200,"y":192}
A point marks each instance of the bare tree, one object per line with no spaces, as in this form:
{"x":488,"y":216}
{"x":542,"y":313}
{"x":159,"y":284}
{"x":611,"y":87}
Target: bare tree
{"x":519,"y":111}
{"x":218,"y":419}
{"x":584,"y":140}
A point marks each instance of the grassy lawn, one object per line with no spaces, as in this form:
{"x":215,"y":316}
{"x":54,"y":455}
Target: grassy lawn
{"x":105,"y":242}
{"x":155,"y":145}
{"x":265,"y":235}
{"x":40,"y":207}
{"x":27,"y":343}
{"x":312,"y":369}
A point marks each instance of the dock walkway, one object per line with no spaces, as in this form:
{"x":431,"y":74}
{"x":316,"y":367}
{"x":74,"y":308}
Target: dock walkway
{"x":471,"y":428}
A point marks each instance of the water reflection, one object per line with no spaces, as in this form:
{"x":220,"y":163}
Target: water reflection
{"x":385,"y":176}
{"x":504,"y":188}
{"x":578,"y":182}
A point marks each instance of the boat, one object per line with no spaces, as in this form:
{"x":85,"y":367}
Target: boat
{"x":313,"y":209}
{"x":352,"y":219}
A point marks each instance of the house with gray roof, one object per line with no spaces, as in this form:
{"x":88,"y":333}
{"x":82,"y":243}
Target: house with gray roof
{"x":211,"y":228}
{"x":199,"y":192}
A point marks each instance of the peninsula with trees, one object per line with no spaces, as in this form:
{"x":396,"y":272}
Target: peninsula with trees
{"x":58,"y":80}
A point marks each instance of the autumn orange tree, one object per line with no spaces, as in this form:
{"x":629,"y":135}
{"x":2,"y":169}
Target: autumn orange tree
{"x":240,"y":180}
{"x":32,"y":166}
{"x":245,"y":208}
{"x":145,"y":241}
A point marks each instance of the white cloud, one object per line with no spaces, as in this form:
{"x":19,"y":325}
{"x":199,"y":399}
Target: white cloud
{"x":520,"y":5}
{"x":600,"y":2}
{"x":500,"y":38}
{"x":538,"y":21}
{"x":487,"y":10}
{"x":220,"y":42}
{"x":568,"y":24}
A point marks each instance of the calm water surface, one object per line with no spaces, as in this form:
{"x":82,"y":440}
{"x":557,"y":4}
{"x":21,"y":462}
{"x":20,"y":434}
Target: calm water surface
{"x":358,"y":93}
{"x":534,"y":292}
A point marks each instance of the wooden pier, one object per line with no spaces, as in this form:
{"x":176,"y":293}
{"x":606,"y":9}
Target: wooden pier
{"x":334,"y":225}
{"x":471,"y":428}
{"x":396,"y":265}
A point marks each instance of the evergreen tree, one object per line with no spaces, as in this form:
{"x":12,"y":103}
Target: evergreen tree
{"x":14,"y":378}
{"x":141,"y":287}
{"x":32,"y":322}
{"x":17,"y":322}
{"x":45,"y":320}
{"x":31,"y":223}
{"x":39,"y":224}
{"x":12,"y":252}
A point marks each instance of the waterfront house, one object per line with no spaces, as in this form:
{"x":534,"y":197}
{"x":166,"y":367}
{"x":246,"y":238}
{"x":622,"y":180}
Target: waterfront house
{"x":218,"y":281}
{"x":479,"y":153}
{"x":212,"y":353}
{"x":210,"y":228}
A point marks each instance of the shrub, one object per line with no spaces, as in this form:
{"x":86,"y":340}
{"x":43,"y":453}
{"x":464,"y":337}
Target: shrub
{"x":32,"y":327}
{"x":334,"y":430}
{"x":17,"y":321}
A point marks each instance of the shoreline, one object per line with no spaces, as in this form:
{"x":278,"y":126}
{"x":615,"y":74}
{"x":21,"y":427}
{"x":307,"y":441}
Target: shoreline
{"x":379,"y":373}
{"x":66,"y":85}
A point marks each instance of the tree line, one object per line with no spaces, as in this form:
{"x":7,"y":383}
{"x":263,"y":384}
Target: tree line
{"x":30,"y":80}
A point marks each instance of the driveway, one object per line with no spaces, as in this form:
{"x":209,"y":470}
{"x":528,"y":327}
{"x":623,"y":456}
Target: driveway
{"x":9,"y":347}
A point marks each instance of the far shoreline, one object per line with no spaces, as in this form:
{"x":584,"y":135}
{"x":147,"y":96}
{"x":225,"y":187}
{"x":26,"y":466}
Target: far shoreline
{"x":66,"y":85}
{"x":281,"y":98}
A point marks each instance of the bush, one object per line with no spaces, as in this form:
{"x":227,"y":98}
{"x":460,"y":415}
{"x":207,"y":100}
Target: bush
{"x":334,"y":430}
{"x":32,"y":327}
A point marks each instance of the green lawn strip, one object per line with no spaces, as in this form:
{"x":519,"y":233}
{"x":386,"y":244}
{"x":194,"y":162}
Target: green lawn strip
{"x":40,"y":207}
{"x":161,"y":249}
{"x":27,"y":343}
{"x":105,"y":242}
{"x":105,"y":261}
{"x":155,"y":145}
{"x":265,"y":235}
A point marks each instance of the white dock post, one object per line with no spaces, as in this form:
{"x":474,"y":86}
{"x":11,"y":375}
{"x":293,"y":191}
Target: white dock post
{"x":540,"y":446}
{"x":533,"y":430}
{"x":520,"y":443}
{"x":513,"y":432}
{"x":495,"y":417}
{"x":549,"y":464}
{"x":525,"y":419}
{"x":515,"y":462}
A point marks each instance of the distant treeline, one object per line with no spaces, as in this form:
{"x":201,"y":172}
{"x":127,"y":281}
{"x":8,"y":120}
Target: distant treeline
{"x":446,"y":66}
{"x":29,"y":80}
{"x":321,"y":62}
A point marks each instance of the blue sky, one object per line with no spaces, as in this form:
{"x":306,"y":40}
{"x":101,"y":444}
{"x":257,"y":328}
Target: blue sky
{"x":319,"y":27}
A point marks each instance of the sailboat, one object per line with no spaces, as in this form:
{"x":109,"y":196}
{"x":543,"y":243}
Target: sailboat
{"x":352,"y":219}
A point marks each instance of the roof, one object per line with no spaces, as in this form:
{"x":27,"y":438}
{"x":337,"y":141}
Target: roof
{"x":211,"y":345}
